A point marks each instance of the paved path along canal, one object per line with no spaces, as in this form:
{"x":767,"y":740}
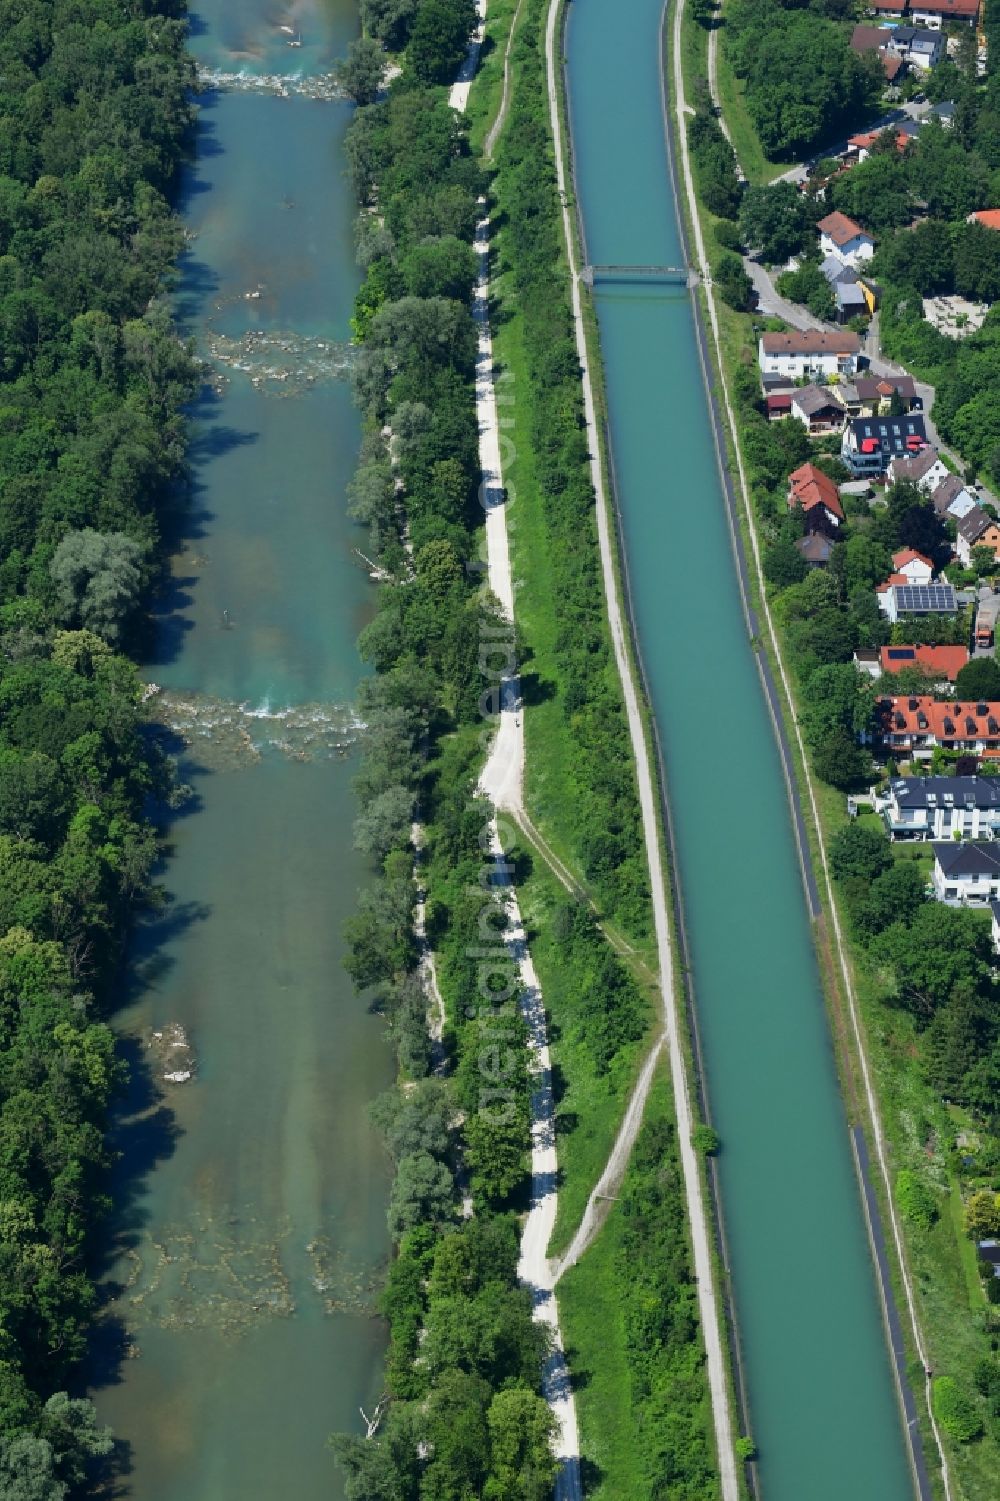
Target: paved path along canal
{"x":250,"y":1231}
{"x":823,"y":1404}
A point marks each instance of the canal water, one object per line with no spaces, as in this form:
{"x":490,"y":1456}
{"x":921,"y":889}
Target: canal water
{"x":823,"y":1405}
{"x":249,"y":1232}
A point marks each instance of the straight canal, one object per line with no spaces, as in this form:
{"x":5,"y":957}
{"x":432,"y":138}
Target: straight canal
{"x":821,"y":1393}
{"x":250,"y":1229}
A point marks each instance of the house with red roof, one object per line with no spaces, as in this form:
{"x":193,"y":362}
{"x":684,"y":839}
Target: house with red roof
{"x":814,"y":494}
{"x":918,"y":723}
{"x":840,"y":236}
{"x":989,"y":218}
{"x":913,"y":567}
{"x":944,"y":663}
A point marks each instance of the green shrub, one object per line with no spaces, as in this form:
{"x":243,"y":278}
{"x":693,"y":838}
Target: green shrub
{"x":915,"y":1200}
{"x":955,"y":1411}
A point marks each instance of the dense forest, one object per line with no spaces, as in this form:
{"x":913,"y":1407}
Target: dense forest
{"x":94,"y":119}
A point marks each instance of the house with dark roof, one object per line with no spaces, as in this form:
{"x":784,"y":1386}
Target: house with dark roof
{"x":818,"y":409}
{"x":840,"y":236}
{"x":870,"y":444}
{"x":966,"y":874}
{"x":923,"y":468}
{"x":806,"y":353}
{"x":941,"y":808}
{"x":816,"y":548}
{"x":976,"y":529}
{"x":874,"y":39}
{"x":875,"y":394}
{"x":951,"y":498}
{"x":917,"y":45}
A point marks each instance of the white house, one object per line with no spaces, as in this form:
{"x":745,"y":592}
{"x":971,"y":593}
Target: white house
{"x":951,"y":498}
{"x":934,"y":13}
{"x":966,"y":874}
{"x":808,"y":353}
{"x":840,"y":236}
{"x":914,"y":567}
{"x":916,"y":45}
{"x":941,"y":808}
{"x":924,"y":469}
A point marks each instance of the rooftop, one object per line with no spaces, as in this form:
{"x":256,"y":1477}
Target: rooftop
{"x":944,"y":661}
{"x":989,"y":217}
{"x":969,"y":859}
{"x":811,"y":341}
{"x":933,"y":792}
{"x":840,"y":228}
{"x":909,"y":555}
{"x":812,"y":399}
{"x":809,"y":486}
{"x":945,"y":719}
{"x":897,"y":437}
{"x":973,"y":524}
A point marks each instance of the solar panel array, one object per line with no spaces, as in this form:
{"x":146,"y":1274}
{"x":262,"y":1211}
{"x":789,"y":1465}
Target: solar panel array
{"x":921,"y":598}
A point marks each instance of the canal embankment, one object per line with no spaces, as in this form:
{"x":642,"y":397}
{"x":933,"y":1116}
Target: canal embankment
{"x":891,"y":1268}
{"x":805,"y":1022}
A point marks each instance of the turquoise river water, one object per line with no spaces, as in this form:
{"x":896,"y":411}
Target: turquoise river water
{"x":822,"y":1400}
{"x":250,"y":1230}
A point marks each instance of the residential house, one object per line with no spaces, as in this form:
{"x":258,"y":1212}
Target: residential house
{"x":943,"y":113}
{"x":915,"y":725}
{"x":913,"y":566}
{"x":989,"y":218}
{"x":976,"y":529}
{"x":951,"y":498}
{"x":840,"y":236}
{"x":966,"y":874}
{"x":870,"y":444}
{"x":945,"y":662}
{"x":816,"y":495}
{"x":941,"y":808}
{"x":924,"y":468}
{"x":818,"y":409}
{"x":816,"y":548}
{"x":914,"y":44}
{"x":888,"y":7}
{"x":859,"y":147}
{"x":896,"y":598}
{"x":874,"y":39}
{"x":938,"y":13}
{"x":807,"y":353}
{"x":874,"y":394}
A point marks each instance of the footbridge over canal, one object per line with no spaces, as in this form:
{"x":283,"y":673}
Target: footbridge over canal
{"x":681,"y":276}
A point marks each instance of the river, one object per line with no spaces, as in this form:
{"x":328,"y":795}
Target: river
{"x":249,"y":1230}
{"x":822,"y":1400}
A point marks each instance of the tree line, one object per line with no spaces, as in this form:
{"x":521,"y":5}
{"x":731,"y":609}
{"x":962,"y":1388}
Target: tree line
{"x":94,"y":122}
{"x":465,"y":1415}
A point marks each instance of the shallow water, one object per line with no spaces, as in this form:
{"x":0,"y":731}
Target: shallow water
{"x":250,"y":1209}
{"x":822,"y":1400}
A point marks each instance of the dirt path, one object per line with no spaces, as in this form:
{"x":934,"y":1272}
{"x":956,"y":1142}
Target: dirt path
{"x":498,"y":124}
{"x":713,"y":89}
{"x":600,"y":1201}
{"x":878,"y":1136}
{"x":702,"y":1247}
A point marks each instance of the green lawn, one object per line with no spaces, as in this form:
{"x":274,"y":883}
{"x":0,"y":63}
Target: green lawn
{"x":484,"y":98}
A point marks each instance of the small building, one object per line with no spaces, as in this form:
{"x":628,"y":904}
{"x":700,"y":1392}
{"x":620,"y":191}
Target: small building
{"x":840,"y":236}
{"x":943,"y":113}
{"x":988,"y":1250}
{"x":924,"y":468}
{"x":976,"y":529}
{"x":818,"y":409}
{"x":815,"y":494}
{"x":921,"y":47}
{"x":888,"y":7}
{"x":951,"y":498}
{"x":807,"y":353}
{"x":870,"y":444}
{"x":966,"y":875}
{"x":859,"y":147}
{"x":778,"y":405}
{"x":941,"y":808}
{"x":896,"y":598}
{"x":913,"y":566}
{"x":816,"y":548}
